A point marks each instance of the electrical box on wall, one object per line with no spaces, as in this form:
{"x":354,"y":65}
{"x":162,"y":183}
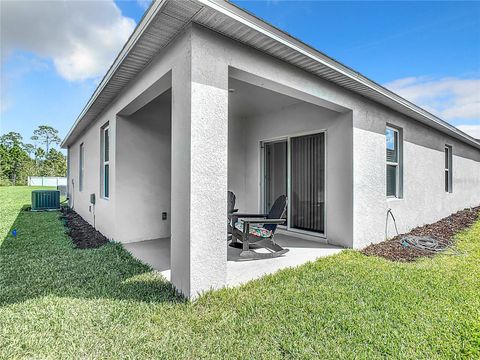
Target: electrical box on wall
{"x":92,"y":199}
{"x":164,"y":216}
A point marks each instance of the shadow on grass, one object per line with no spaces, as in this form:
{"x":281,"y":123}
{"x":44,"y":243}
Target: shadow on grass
{"x":41,"y":260}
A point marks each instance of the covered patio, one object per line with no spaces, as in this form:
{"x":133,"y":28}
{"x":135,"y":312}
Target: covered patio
{"x":156,"y":253}
{"x":279,"y":142}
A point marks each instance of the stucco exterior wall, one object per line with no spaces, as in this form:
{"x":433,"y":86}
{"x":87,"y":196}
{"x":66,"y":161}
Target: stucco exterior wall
{"x":199,"y":171}
{"x":369,"y":121}
{"x":424,"y":197}
{"x":199,"y":82}
{"x":105,"y":210}
{"x":143,"y":163}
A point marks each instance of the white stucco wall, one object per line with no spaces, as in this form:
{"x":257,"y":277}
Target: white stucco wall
{"x":143,"y":155}
{"x":199,"y":163}
{"x":369,"y":123}
{"x":199,"y":170}
{"x":424,"y":198}
{"x":169,"y":60}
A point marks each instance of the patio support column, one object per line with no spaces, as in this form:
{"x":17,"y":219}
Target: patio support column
{"x":199,"y":172}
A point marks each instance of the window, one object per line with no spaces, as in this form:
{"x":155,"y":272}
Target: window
{"x":394,"y":164}
{"x":105,"y":178}
{"x":448,"y":169}
{"x":81,"y":167}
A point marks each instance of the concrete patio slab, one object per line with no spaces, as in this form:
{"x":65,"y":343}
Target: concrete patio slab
{"x":156,"y":253}
{"x":240,"y":271}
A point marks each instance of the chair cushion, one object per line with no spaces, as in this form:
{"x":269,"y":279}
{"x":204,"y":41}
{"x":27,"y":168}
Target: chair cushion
{"x":255,"y":230}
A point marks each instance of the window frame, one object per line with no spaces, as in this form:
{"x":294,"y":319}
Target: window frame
{"x":448,"y":168}
{"x":104,"y":187}
{"x":398,"y":164}
{"x":81,"y":167}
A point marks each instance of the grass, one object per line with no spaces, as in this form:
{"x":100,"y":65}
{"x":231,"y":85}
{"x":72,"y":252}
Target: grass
{"x":60,"y":302}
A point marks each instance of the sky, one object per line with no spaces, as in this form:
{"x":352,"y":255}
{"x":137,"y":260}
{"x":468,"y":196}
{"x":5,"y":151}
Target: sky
{"x":54,"y":54}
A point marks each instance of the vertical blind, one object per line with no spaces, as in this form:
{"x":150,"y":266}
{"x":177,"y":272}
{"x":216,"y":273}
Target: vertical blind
{"x":308,"y":182}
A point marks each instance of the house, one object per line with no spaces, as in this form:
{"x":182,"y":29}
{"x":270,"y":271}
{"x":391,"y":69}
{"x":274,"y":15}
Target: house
{"x":205,"y":98}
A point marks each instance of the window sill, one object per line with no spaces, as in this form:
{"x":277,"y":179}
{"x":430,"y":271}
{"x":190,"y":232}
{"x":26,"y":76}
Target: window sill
{"x":394,"y":199}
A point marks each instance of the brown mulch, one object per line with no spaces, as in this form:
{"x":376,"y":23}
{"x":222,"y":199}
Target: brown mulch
{"x":83,"y":235}
{"x":443,"y":231}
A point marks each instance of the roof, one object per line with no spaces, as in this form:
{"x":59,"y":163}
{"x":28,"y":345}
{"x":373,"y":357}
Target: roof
{"x":166,"y":18}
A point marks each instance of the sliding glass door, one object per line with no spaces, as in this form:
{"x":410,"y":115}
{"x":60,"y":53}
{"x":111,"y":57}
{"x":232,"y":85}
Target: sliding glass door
{"x":295,"y":166}
{"x":275,"y":172}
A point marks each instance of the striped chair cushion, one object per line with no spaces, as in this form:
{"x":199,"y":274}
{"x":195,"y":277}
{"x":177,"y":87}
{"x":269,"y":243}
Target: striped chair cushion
{"x":255,"y":230}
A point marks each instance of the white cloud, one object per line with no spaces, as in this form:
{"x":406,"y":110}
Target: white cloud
{"x":449,"y":98}
{"x":81,"y":37}
{"x":472,"y":130}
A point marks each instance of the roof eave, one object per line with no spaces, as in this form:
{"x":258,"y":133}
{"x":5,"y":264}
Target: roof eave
{"x":237,"y":14}
{"x":247,"y":18}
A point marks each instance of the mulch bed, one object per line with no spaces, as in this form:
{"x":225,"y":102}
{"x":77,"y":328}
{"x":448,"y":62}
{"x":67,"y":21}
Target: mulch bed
{"x":83,"y":235}
{"x":444,"y":231}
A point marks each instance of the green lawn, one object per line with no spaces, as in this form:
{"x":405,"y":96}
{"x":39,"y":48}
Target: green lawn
{"x":59,"y":302}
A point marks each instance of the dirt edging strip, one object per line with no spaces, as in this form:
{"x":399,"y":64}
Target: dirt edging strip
{"x":443,"y":231}
{"x":83,"y":235}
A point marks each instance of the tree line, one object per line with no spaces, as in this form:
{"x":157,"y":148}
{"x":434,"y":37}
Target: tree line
{"x":19,"y":159}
